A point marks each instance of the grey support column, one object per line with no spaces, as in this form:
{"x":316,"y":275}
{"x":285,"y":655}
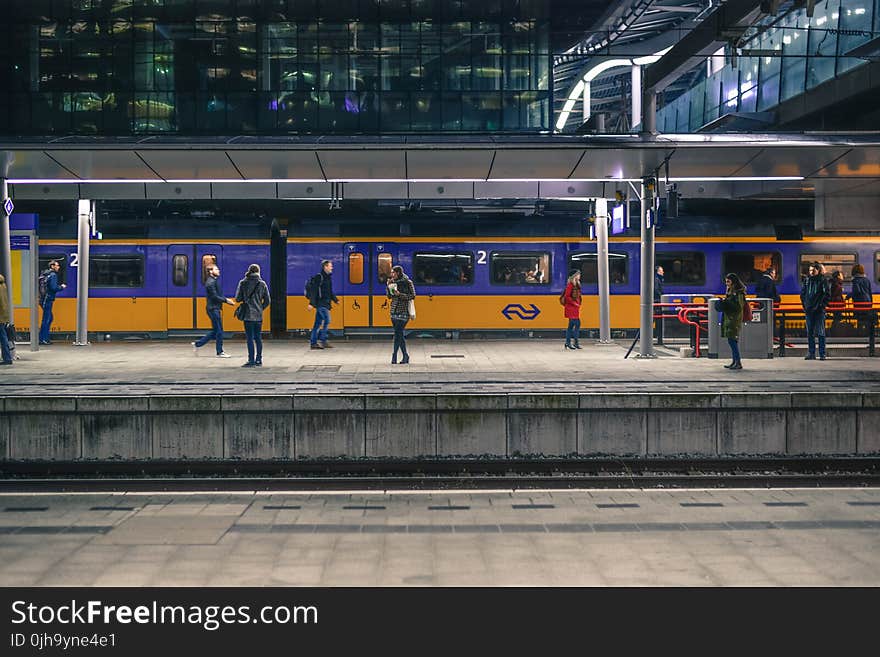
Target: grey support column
{"x":604,"y":291}
{"x":636,"y":91}
{"x":6,"y":244}
{"x":82,"y":288}
{"x":646,"y":297}
{"x":587,"y":102}
{"x":649,"y":113}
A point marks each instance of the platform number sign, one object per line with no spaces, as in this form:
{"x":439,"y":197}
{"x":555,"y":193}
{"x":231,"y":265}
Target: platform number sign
{"x":8,"y":206}
{"x":74,"y":259}
{"x":481,"y":257}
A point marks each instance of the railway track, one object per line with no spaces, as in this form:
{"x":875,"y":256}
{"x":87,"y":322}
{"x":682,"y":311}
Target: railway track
{"x":438,"y":474}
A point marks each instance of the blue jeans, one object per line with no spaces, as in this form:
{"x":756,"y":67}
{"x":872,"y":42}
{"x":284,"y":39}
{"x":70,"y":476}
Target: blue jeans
{"x":573,"y":331}
{"x":216,"y":332}
{"x":734,"y":349}
{"x":399,"y":336}
{"x":253,"y":332}
{"x":5,"y":353}
{"x":816,"y":328}
{"x":47,"y":320}
{"x":322,"y":321}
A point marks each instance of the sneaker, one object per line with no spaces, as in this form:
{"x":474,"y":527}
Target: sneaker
{"x":223,"y":354}
{"x":809,"y":357}
{"x":5,"y":362}
{"x":195,"y":348}
{"x":822,"y":357}
{"x":249,"y":365}
{"x":316,"y":346}
{"x":258,"y":363}
{"x":324,"y":345}
{"x":45,"y":342}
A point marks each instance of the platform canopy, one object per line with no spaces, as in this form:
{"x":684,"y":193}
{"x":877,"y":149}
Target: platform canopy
{"x":558,"y":166}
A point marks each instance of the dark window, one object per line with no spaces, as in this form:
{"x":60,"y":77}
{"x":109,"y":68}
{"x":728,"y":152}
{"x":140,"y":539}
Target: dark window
{"x":751,"y":265}
{"x":443,"y":268}
{"x":44,"y":261}
{"x":843,"y":262}
{"x":180,"y":270}
{"x":682,"y":267}
{"x":877,"y":266}
{"x":117,"y":270}
{"x":520,"y":268}
{"x":588,"y":264}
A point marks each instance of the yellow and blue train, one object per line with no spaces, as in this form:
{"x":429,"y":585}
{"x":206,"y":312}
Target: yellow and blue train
{"x":155,"y":286}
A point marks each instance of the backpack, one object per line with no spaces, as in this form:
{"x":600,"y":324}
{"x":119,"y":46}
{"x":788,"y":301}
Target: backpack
{"x":312,"y":288}
{"x":562,"y":298}
{"x":43,"y":283}
{"x":747,"y":311}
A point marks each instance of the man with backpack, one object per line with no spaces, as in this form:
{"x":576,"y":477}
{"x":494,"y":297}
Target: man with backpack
{"x":319,"y":291}
{"x":49,"y":287}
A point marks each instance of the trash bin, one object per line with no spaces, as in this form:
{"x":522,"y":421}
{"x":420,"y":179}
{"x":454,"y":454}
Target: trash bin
{"x":756,"y":337}
{"x":673,"y":329}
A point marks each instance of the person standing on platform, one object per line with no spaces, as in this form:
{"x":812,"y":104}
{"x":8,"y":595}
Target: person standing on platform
{"x":49,"y":288}
{"x":765,"y":288}
{"x":836,"y":288}
{"x":402,"y":293}
{"x":571,"y":299}
{"x":253,"y":295}
{"x":659,"y":278}
{"x":320,"y":293}
{"x":214,"y":307}
{"x":732,"y":306}
{"x":5,"y":321}
{"x":814,"y":297}
{"x":861,"y":294}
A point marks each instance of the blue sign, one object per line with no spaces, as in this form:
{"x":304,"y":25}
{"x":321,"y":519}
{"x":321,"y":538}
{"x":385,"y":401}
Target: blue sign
{"x":619,"y":222}
{"x":20,"y":242}
{"x":518,"y":310}
{"x":8,"y":206}
{"x":24,"y":222}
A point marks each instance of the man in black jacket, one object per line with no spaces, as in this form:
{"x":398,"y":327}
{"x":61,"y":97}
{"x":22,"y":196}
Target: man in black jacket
{"x":214,"y":307}
{"x":659,"y":279}
{"x":320,"y":296}
{"x":815,"y":294}
{"x":765,"y":288}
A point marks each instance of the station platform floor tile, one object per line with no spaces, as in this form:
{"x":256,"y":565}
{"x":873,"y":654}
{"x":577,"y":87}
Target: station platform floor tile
{"x":739,"y":537}
{"x":436,"y":367}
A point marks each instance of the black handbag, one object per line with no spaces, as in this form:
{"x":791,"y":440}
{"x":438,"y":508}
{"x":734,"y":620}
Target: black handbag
{"x":241,"y":311}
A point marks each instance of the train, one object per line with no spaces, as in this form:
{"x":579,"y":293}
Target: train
{"x":155,"y":286}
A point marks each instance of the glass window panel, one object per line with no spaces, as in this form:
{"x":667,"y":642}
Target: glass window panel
{"x":794,"y":64}
{"x":180,"y":270}
{"x":118,"y":270}
{"x":520,"y":268}
{"x":383,"y":267}
{"x":355,"y":268}
{"x":443,"y":268}
{"x":842,"y":262}
{"x":750,"y":265}
{"x":588,"y":265}
{"x":877,"y":266}
{"x":822,"y":47}
{"x":682,"y":267}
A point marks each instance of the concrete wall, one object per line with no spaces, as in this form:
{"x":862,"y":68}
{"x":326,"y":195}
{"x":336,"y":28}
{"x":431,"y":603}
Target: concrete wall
{"x":425,"y":425}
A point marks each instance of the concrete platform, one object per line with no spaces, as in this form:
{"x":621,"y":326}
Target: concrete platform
{"x":803,"y":537}
{"x":141,"y":401}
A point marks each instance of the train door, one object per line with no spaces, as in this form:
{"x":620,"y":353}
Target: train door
{"x":188,"y":271}
{"x":366,"y":269}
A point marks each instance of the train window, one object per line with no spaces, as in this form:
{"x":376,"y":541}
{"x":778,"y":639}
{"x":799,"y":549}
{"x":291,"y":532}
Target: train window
{"x":877,"y":266}
{"x":844,"y":262}
{"x":62,"y":260}
{"x":180,"y":270}
{"x":116,"y":270}
{"x":682,"y":267}
{"x":355,"y":268}
{"x":520,"y":268}
{"x":443,"y":268}
{"x":751,"y":265}
{"x":384,"y":264}
{"x":588,"y":264}
{"x":208,"y":261}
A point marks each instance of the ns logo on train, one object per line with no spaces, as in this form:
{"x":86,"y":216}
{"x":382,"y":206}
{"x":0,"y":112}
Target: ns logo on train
{"x":518,"y":310}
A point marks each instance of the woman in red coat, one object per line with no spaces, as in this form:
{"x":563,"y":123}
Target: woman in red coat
{"x":572,"y":301}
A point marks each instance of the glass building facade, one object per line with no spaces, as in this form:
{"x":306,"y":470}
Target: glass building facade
{"x":796,"y":54}
{"x":275,"y":67}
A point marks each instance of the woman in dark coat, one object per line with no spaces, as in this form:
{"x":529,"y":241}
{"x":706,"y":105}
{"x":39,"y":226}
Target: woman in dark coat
{"x":401,"y":291}
{"x":253,"y":294}
{"x":861,"y":294}
{"x":572,"y":302}
{"x":732,"y":306}
{"x":836,"y":294}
